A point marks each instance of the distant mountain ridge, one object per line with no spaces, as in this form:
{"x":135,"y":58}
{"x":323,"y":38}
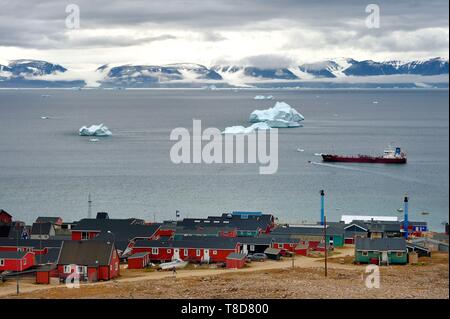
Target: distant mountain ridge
{"x":28,"y":73}
{"x":36,"y":73}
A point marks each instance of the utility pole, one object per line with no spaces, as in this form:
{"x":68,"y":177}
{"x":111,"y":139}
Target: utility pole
{"x":89,"y":206}
{"x":325,"y":243}
{"x":293,"y":259}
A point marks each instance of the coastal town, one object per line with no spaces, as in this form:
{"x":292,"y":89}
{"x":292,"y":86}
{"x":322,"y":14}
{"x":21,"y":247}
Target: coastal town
{"x":53,"y":253}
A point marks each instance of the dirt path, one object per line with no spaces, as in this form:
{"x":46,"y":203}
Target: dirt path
{"x":9,"y":288}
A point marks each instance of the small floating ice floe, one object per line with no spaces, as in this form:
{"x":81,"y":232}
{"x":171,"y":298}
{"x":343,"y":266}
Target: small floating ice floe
{"x":95,"y":130}
{"x":246,"y":130}
{"x":94,"y":140}
{"x":263,"y":97}
{"x":300,"y":150}
{"x":45,"y":117}
{"x":45,"y":95}
{"x":375,"y":102}
{"x":317,"y":154}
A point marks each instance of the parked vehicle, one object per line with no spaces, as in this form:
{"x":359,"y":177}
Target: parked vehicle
{"x":257,"y":257}
{"x":177,"y":263}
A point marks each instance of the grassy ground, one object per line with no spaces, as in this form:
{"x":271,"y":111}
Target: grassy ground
{"x":429,"y":279}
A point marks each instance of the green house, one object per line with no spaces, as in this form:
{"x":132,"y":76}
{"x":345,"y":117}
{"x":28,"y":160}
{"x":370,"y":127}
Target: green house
{"x":381,"y":251}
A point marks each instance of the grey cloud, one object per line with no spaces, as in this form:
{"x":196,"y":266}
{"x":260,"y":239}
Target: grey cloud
{"x":213,"y":37}
{"x":40,"y":23}
{"x":268,"y":61}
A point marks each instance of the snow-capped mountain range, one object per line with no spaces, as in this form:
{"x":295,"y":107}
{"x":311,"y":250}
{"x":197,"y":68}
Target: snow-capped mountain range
{"x":34,"y":73}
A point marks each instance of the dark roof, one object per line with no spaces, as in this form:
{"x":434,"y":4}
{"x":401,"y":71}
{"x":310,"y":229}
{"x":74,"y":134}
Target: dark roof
{"x":48,"y":219}
{"x":237,"y":256}
{"x":102,"y":215}
{"x":87,"y":252}
{"x":12,"y":254}
{"x":203,"y":230}
{"x":415,"y":223}
{"x":381,"y":244}
{"x":139,"y":255}
{"x":379,"y":225}
{"x":33,"y":243}
{"x":50,"y":257}
{"x":122,"y":229}
{"x":205,"y":242}
{"x":254,"y":240}
{"x":17,"y":230}
{"x":252,"y":222}
{"x":284,"y":239}
{"x":359,"y":225}
{"x":42,"y":228}
{"x":312,"y":230}
{"x":417,"y":247}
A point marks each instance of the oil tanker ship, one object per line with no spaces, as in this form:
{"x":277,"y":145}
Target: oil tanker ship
{"x":390,"y":156}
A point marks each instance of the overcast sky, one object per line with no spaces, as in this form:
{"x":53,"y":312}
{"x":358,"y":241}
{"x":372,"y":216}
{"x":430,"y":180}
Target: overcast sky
{"x":271,"y":33}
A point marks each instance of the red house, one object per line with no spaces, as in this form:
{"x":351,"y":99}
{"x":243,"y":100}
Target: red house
{"x":206,"y":249}
{"x":124,"y":232}
{"x":139,"y":260}
{"x":236,"y":260}
{"x":92,"y":260}
{"x":16,"y":260}
{"x":5,"y":217}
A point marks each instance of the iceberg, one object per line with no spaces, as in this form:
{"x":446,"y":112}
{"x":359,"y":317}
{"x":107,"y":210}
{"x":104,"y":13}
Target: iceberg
{"x":95,"y":130}
{"x":281,"y":115}
{"x":262,"y":97}
{"x":246,"y":130}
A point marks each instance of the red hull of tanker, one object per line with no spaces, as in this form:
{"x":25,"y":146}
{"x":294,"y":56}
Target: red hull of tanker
{"x":362,"y":159}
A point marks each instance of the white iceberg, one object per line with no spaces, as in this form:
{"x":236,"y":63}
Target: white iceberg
{"x":281,"y":115}
{"x":95,"y":130}
{"x":262,"y":97}
{"x":246,"y":130}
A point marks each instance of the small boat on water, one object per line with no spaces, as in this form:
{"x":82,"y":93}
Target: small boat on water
{"x":390,"y":156}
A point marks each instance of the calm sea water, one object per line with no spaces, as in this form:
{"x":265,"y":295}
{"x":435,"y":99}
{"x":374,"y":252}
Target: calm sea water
{"x":47,"y":169}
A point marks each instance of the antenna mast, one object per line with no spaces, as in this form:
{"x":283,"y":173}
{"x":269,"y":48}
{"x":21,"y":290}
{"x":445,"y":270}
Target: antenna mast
{"x":89,"y":206}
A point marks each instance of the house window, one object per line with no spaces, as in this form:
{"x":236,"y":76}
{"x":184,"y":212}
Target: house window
{"x":197,"y":252}
{"x":252,"y":247}
{"x":84,"y":235}
{"x":216,"y":222}
{"x":81,"y":269}
{"x":226,"y":222}
{"x":116,"y":267}
{"x":214,"y":252}
{"x":207,"y":221}
{"x":185,"y":252}
{"x":155,"y":251}
{"x":365,"y":253}
{"x":67,"y":269}
{"x":2,"y":262}
{"x":399,"y":254}
{"x":25,"y":262}
{"x":280,"y":245}
{"x":169,"y":251}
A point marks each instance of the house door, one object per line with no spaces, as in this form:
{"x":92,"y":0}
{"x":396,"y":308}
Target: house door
{"x":206,"y":255}
{"x":176,"y":254}
{"x":245,"y":249}
{"x":384,"y":257}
